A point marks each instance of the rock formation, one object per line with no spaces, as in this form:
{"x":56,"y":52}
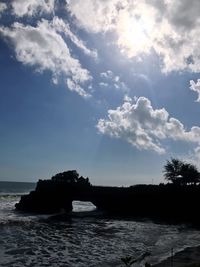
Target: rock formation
{"x":176,"y":202}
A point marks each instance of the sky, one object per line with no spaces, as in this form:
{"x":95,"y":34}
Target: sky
{"x":110,"y":88}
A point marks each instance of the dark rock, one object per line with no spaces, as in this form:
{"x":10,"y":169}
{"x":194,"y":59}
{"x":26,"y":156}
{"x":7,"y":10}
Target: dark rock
{"x":165,"y":202}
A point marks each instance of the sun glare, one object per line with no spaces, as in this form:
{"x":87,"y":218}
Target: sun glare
{"x":134,"y":35}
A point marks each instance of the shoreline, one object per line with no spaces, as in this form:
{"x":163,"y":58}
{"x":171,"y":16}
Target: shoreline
{"x":190,"y":256}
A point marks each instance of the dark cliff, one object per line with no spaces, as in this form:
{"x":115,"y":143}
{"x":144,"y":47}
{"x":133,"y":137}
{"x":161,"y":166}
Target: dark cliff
{"x":153,"y":201}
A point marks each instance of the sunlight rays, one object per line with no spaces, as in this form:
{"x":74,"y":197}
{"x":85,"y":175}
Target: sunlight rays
{"x":135,"y":34}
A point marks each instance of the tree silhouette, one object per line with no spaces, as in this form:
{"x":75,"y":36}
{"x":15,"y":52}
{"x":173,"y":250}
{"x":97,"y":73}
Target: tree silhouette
{"x":67,"y":177}
{"x":179,"y":172}
{"x":189,"y":174}
{"x":172,"y":170}
{"x":71,"y":177}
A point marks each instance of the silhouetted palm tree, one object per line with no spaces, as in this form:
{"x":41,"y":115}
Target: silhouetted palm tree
{"x":172,"y":170}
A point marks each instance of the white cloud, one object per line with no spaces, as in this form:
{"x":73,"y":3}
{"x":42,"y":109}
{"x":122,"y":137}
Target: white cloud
{"x":63,"y":27}
{"x":44,"y":48}
{"x":127,"y":98}
{"x":196,"y":88}
{"x":107,"y":74}
{"x":3,"y":7}
{"x":113,"y":79}
{"x":77,"y":88}
{"x":94,"y":15}
{"x":171,"y":28}
{"x":144,"y":127}
{"x":22,"y":8}
{"x":102,"y":84}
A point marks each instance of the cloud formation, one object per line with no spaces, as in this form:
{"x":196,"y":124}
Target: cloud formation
{"x":94,"y":15}
{"x":196,"y":88}
{"x":3,"y":7}
{"x":109,"y":77}
{"x":22,"y":8}
{"x":145,"y":127}
{"x":170,"y":28}
{"x":63,"y":27}
{"x":44,"y":48}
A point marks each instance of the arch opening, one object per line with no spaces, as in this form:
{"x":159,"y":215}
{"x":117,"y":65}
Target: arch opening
{"x":83,"y":206}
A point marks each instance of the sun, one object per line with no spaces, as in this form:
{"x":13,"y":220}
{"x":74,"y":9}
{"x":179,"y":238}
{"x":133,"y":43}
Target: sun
{"x":134,"y":34}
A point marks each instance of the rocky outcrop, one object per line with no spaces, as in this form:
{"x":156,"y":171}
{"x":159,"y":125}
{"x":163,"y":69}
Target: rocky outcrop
{"x":48,"y":197}
{"x":55,"y":195}
{"x":169,"y":201}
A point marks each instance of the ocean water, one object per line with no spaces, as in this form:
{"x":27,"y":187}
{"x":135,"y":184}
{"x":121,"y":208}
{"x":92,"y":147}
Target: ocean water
{"x":85,"y":238}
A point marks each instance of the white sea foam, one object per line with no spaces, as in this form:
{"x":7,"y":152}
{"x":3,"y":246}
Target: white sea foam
{"x":31,"y":240}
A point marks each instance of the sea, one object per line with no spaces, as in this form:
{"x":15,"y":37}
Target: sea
{"x":84,"y":238}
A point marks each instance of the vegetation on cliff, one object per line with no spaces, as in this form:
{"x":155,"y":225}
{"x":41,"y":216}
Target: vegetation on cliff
{"x":71,"y":177}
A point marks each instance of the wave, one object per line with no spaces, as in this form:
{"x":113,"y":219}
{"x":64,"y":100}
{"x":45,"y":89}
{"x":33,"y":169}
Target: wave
{"x":12,"y":194}
{"x":16,"y":187}
{"x":111,"y":238}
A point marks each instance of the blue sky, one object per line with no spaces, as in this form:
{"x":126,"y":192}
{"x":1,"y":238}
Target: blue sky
{"x":109,"y":88}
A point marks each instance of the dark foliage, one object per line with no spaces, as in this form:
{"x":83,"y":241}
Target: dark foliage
{"x":70,"y":177}
{"x":179,"y":172}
